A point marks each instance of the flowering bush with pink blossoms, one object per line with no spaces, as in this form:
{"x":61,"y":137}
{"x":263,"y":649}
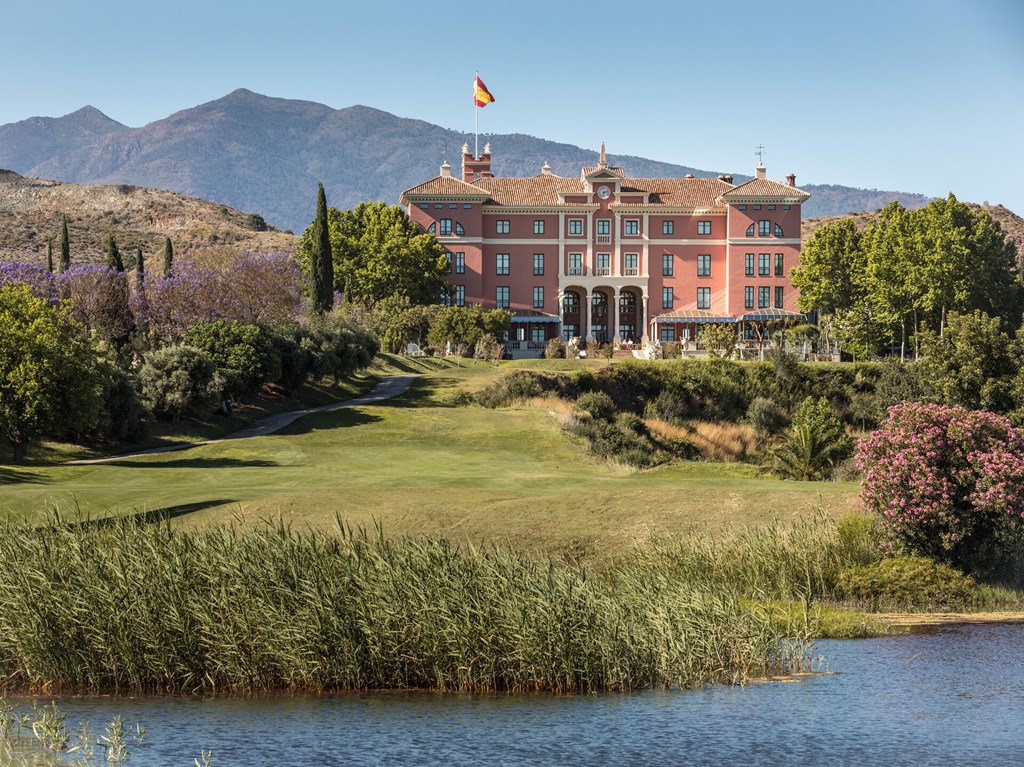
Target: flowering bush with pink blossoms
{"x":947,"y":482}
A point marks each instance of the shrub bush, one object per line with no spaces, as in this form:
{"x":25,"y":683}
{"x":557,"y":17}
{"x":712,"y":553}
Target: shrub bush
{"x":177,"y":380}
{"x":948,"y":483}
{"x":907,"y":583}
{"x":767,"y":418}
{"x":597,"y":405}
{"x":555,"y":349}
{"x":511,"y":388}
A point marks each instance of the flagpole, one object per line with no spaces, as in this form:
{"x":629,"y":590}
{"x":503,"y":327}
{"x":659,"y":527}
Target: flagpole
{"x":476,"y":113}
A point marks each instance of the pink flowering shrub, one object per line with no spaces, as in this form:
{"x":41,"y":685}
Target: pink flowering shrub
{"x":946,"y":482}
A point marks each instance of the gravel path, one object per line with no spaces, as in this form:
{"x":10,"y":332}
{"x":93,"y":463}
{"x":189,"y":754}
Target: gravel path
{"x":387,"y":388}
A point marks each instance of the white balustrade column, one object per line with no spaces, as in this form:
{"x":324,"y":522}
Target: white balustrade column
{"x":613,"y":332}
{"x":646,"y":319}
{"x":585,"y":306}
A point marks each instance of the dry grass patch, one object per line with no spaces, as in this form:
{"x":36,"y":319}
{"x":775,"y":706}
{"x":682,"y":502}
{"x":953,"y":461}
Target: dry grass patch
{"x":716,"y":440}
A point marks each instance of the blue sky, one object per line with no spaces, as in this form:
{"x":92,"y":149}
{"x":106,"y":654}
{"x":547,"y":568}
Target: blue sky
{"x":912,"y":95}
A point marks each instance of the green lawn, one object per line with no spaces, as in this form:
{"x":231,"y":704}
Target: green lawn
{"x":419,"y":466}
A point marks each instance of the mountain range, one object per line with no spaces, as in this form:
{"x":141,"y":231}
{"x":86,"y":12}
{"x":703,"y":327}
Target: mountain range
{"x":265,"y":155}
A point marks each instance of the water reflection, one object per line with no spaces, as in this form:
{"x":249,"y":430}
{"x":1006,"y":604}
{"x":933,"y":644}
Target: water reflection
{"x":948,"y":696}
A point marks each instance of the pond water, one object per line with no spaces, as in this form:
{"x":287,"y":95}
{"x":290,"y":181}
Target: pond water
{"x":946,"y":696}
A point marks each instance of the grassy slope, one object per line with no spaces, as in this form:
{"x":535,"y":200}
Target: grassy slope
{"x":421,"y":466}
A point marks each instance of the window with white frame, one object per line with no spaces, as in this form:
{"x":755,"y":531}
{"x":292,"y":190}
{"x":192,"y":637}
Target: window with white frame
{"x":704,"y":265}
{"x":703,"y":298}
{"x":501,"y":296}
{"x":538,"y":296}
{"x":502,"y":226}
{"x":501,"y":262}
{"x":538,"y":226}
{"x":575,"y":227}
{"x":538,"y":264}
{"x":631,"y":226}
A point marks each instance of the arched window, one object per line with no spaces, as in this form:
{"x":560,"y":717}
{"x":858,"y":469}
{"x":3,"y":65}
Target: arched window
{"x":778,"y":230}
{"x":600,"y":304}
{"x":432,"y":228}
{"x":750,"y":231}
{"x":458,"y":229}
{"x":571,"y":302}
{"x":627,"y":303}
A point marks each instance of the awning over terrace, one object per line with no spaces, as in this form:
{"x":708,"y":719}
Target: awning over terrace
{"x":532,"y":315}
{"x":767,"y":315}
{"x":696,"y":316}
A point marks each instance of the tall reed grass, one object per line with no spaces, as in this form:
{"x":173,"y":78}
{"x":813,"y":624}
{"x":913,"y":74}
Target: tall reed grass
{"x":133,"y":608}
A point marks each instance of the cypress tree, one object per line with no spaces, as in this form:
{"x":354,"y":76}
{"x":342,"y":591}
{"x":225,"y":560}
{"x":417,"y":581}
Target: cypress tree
{"x":65,"y":246}
{"x":49,"y":255}
{"x":321,"y":262}
{"x":140,"y":266}
{"x":168,"y":258}
{"x":114,"y":255}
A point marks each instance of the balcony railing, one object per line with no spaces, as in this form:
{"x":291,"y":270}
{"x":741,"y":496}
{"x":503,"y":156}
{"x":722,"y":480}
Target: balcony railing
{"x":604,"y":239}
{"x":630,"y":271}
{"x":577,"y":271}
{"x":602,"y":271}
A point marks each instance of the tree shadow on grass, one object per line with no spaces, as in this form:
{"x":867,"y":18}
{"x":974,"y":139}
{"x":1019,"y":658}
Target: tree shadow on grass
{"x":10,"y":475}
{"x":198,"y":463}
{"x":423,"y":393}
{"x":343,"y":417}
{"x":159,"y":515}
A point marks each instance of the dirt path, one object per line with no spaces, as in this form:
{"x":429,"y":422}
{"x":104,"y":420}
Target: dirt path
{"x":389,"y":387}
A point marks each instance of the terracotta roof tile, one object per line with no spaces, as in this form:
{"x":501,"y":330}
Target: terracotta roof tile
{"x":765,"y":187}
{"x":442,"y":185}
{"x":679,"y":192}
{"x":614,"y":170}
{"x":538,"y":190}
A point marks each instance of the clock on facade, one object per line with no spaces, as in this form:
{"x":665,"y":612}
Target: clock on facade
{"x":603,"y":192}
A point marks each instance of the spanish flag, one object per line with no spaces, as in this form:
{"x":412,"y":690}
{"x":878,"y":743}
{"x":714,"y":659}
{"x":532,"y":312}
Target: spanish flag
{"x":481,"y":96}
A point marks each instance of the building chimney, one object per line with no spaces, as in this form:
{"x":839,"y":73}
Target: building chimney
{"x":545,"y":169}
{"x":602,"y":161}
{"x":760,"y":171}
{"x":446,"y":170}
{"x":726,"y":179}
{"x":688,"y":175}
{"x":475,"y":167}
{"x":791,"y":179}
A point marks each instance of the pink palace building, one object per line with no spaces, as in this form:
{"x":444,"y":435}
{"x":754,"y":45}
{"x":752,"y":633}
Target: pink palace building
{"x":610,"y":258}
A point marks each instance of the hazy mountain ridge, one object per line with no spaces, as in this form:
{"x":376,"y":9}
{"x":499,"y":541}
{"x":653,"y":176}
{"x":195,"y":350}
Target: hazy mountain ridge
{"x":265,"y":155}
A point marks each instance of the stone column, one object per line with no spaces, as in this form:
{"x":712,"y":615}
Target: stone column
{"x":561,"y":313}
{"x":613,"y":330}
{"x":645,"y":339}
{"x":585,"y":308}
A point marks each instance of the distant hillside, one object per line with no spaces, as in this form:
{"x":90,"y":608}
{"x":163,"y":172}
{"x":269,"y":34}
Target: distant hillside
{"x":31,"y":209}
{"x":266,"y":155}
{"x":1011,"y":223}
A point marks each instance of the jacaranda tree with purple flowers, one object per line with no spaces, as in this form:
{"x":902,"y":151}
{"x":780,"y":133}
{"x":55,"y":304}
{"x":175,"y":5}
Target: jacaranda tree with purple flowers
{"x":947,"y":482}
